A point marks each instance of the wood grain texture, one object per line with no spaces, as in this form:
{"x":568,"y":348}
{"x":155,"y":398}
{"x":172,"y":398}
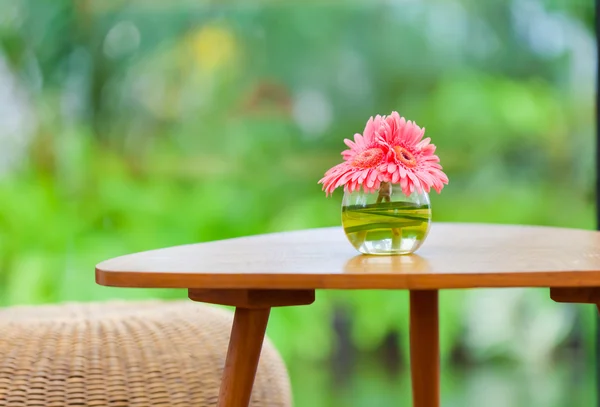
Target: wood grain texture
{"x":247,"y":335}
{"x":252,"y":298}
{"x":453,"y":256}
{"x":424,"y":348}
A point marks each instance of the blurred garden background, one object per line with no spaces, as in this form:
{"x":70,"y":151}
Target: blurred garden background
{"x":130,"y":125}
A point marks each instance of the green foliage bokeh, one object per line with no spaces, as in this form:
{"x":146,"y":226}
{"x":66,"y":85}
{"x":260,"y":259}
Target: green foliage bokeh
{"x":145,"y":125}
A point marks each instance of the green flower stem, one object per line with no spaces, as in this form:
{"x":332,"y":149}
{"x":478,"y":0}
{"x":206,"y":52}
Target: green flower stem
{"x":396,"y":238}
{"x":385,"y":192}
{"x":361,"y":236}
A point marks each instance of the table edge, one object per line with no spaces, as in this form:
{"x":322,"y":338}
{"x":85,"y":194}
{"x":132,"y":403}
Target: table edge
{"x":291,"y":281}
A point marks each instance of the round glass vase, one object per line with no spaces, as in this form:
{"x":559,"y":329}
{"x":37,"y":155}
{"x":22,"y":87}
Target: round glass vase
{"x":387,"y":221}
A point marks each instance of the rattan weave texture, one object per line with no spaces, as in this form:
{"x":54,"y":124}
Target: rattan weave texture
{"x":125,"y":354}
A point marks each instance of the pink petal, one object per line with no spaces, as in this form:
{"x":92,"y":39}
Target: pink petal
{"x":419,"y":135}
{"x":425,"y":178}
{"x":359,"y":141}
{"x":345,"y":178}
{"x":368,"y":131}
{"x":423,"y":143}
{"x":350,"y":143}
{"x":400,"y":131}
{"x":414,"y":135}
{"x":429,"y":158}
{"x":348,"y":155}
{"x":364,"y":174}
{"x":428,"y":149}
{"x":372,"y":178}
{"x":414,"y":180}
{"x":404,"y":183}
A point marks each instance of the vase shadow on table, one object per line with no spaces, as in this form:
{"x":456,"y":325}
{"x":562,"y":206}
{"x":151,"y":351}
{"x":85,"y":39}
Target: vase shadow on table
{"x":395,"y":264}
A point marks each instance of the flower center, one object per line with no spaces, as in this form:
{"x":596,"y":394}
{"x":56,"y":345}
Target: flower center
{"x":405,"y":157}
{"x":368,"y":158}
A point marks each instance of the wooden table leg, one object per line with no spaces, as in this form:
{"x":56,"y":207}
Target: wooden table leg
{"x":247,"y":334}
{"x":424,"y":348}
{"x":246,"y":341}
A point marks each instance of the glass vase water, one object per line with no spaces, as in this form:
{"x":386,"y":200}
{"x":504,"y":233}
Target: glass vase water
{"x":387,"y":221}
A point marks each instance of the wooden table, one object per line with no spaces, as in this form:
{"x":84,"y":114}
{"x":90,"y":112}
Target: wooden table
{"x":283,"y":269}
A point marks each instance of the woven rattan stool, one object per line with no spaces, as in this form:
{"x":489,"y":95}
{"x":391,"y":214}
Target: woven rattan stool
{"x":124,"y":354}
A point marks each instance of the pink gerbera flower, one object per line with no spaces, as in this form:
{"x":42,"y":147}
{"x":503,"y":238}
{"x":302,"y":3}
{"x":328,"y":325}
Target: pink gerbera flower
{"x":411,"y":159}
{"x":367,"y":153}
{"x":389,"y":150}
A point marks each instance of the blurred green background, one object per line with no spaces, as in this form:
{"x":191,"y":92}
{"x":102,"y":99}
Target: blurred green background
{"x":133,"y":125}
